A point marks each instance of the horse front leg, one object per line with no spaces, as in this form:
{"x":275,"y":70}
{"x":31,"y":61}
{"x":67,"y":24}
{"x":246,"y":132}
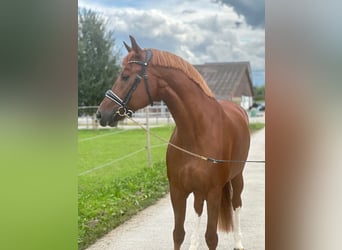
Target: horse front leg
{"x":213,"y":204}
{"x":178,"y":199}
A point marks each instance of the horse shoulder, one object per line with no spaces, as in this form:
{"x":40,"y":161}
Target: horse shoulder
{"x":236,"y":122}
{"x":234,"y":111}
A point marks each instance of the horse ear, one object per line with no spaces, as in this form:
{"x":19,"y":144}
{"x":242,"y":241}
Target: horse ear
{"x":129,"y":49}
{"x":135,"y":46}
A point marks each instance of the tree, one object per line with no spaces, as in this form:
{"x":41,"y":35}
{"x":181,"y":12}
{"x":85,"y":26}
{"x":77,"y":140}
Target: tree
{"x":259,"y":93}
{"x":97,"y":61}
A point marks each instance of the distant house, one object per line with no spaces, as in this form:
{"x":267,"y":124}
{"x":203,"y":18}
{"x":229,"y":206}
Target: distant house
{"x":229,"y":81}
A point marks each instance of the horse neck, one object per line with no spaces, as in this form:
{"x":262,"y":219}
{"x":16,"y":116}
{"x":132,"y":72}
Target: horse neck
{"x":192,"y":110}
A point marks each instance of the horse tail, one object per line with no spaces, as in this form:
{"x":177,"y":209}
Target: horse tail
{"x":225,"y":222}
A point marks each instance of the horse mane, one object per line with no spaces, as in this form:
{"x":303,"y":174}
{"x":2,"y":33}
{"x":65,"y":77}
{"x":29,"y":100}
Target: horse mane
{"x":168,"y":60}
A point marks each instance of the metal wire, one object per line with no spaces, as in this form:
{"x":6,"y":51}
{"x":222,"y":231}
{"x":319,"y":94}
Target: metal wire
{"x":205,"y":158}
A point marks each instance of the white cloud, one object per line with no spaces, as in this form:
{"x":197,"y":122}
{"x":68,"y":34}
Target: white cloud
{"x":199,"y":31}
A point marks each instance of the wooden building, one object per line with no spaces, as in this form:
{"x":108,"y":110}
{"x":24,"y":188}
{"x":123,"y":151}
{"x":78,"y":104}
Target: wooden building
{"x":229,"y":81}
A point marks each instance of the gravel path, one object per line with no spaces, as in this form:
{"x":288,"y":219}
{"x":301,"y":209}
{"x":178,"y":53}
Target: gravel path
{"x":152,"y":228}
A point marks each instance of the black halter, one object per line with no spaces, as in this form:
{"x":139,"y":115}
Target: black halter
{"x":123,"y":110}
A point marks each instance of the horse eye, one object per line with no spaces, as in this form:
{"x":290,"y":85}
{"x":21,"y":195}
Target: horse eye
{"x":124,"y":77}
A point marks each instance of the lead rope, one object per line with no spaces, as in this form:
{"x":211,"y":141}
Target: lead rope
{"x":210,"y":159}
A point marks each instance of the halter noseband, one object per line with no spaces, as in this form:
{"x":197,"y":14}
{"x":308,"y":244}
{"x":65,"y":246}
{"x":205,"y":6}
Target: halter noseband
{"x":123,"y":110}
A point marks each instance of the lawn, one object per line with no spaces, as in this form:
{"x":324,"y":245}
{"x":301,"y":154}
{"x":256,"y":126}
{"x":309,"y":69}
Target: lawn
{"x":114,"y":180}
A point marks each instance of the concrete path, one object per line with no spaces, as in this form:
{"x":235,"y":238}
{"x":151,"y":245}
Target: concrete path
{"x":152,"y":228}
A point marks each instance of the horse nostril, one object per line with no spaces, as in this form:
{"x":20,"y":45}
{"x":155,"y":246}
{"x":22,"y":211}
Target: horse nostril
{"x":98,"y":114}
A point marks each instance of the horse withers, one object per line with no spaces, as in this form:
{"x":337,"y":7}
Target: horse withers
{"x":204,"y":127}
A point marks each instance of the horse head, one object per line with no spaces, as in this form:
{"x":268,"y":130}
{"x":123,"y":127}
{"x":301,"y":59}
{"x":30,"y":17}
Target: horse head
{"x":134,"y":88}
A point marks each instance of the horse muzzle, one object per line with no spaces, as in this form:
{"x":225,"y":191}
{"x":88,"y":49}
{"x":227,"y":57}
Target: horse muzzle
{"x":108,"y":118}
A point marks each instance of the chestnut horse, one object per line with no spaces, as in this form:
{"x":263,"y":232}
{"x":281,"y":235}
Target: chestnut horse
{"x":204,"y":126}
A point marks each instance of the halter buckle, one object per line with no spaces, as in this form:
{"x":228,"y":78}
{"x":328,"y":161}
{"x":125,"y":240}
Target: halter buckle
{"x":123,"y":111}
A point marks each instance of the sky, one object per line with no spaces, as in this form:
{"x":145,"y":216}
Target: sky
{"x":200,"y":31}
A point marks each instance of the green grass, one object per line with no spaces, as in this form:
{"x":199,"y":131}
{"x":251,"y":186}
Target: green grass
{"x":256,"y":126}
{"x":98,"y":147}
{"x":112,"y":193}
{"x":110,"y":190}
{"x":105,"y":205}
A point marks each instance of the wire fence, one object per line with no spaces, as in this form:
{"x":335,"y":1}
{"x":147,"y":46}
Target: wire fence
{"x":110,"y":163}
{"x":149,"y":116}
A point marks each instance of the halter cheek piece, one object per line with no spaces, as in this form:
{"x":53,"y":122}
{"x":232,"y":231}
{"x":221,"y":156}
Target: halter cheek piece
{"x":123,"y":109}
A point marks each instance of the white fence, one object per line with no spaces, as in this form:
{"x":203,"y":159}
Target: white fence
{"x":157,"y":114}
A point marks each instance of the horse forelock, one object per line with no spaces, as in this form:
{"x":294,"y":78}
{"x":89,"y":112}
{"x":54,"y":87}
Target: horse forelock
{"x":168,"y":60}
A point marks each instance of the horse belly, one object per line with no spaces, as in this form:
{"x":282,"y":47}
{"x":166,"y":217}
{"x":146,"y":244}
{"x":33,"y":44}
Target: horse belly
{"x":200,"y":177}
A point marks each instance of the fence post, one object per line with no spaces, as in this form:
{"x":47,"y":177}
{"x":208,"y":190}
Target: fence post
{"x":94,"y":123}
{"x":148,"y":142}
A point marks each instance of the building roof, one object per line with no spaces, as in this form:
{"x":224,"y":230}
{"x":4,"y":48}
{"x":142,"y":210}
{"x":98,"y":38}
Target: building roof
{"x":225,"y":79}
